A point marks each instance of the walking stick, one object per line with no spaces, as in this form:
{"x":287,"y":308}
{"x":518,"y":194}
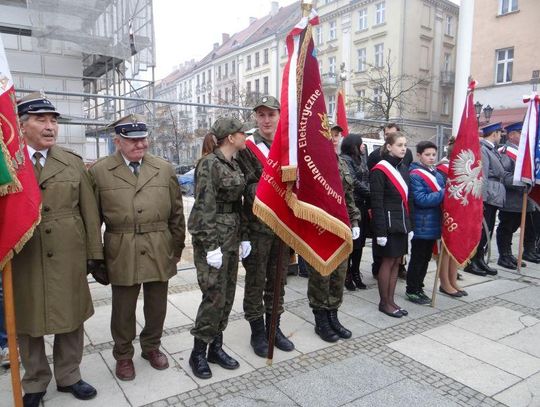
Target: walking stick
{"x":275,"y":302}
{"x":9,"y":310}
{"x":522,"y":231}
{"x":439,"y":263}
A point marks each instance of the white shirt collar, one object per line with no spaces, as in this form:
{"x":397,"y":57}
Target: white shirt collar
{"x":127,"y":162}
{"x":492,"y":145}
{"x":32,"y":150}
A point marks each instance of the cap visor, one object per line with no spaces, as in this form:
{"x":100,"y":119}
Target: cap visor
{"x":134,"y":134}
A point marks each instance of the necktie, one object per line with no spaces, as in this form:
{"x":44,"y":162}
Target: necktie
{"x":135,"y":165}
{"x":37,"y":166}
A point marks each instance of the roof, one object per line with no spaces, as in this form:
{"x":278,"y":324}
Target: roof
{"x":507,"y":116}
{"x":282,"y":21}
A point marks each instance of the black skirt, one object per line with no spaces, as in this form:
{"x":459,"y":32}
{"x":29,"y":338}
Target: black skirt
{"x":396,"y":246}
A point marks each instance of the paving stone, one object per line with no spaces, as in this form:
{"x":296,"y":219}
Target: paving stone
{"x":529,"y":297}
{"x":173,"y":318}
{"x":187,"y":302}
{"x":491,"y":288}
{"x":525,"y":340}
{"x":268,"y":396}
{"x":524,"y":394}
{"x":98,"y":326}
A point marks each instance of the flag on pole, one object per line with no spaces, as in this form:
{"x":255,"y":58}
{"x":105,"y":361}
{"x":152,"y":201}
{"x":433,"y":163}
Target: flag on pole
{"x":20,"y":208}
{"x":462,"y":205}
{"x":300,"y":195}
{"x":341,"y":113}
{"x":525,"y":160}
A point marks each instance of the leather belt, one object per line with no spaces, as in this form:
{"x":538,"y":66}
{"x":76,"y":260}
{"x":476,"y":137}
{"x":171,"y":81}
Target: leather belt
{"x":139,"y":228}
{"x":228,"y":207}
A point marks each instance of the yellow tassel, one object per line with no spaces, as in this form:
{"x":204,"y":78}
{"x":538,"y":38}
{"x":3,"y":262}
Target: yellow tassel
{"x":288,"y":173}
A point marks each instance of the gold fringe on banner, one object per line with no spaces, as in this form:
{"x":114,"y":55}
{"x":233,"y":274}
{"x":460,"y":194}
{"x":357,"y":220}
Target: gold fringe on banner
{"x":288,"y":173}
{"x":473,"y":252}
{"x":325,"y":268}
{"x":22,"y":241}
{"x":14,"y":185}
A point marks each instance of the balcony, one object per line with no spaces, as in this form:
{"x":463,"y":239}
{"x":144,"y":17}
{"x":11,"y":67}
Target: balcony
{"x":447,"y":78}
{"x":329,"y":81}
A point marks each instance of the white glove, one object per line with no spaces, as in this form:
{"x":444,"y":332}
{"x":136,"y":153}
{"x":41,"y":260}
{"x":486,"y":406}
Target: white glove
{"x":355,"y":232}
{"x":381,"y":241}
{"x":411,"y":235}
{"x":214,"y":258}
{"x":245,"y":249}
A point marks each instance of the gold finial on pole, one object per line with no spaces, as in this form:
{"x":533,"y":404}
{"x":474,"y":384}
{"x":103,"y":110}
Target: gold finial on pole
{"x":306,"y":8}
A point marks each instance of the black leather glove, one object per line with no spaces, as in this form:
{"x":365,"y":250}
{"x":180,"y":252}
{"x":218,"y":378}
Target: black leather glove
{"x":98,"y":270}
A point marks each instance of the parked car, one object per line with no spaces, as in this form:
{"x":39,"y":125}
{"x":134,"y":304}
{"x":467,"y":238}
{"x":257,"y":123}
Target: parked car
{"x":186,"y":181}
{"x":182,"y":169}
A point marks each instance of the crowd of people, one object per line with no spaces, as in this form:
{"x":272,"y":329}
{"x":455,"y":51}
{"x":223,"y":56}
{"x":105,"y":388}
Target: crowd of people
{"x":390,"y":198}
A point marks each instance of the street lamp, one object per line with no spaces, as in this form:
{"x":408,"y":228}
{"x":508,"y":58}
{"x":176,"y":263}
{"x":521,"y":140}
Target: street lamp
{"x":488,"y":110}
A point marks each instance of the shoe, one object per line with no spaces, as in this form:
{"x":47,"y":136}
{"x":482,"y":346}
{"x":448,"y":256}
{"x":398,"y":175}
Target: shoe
{"x":463,"y":293}
{"x":396,"y":313}
{"x":484,"y":266}
{"x":281,"y":341}
{"x":125,"y":370}
{"x":258,"y":340}
{"x":506,"y":262}
{"x":217,"y":355}
{"x":459,"y":276}
{"x":349,"y":283}
{"x":514,"y":260}
{"x":303,"y":273}
{"x":402,"y":272}
{"x":197,"y":360}
{"x":157,"y":359}
{"x":473,"y":268}
{"x":33,"y":399}
{"x":456,"y":294}
{"x":336,"y":325}
{"x":357,"y":279}
{"x":417,"y":298}
{"x":80,"y":390}
{"x":530,"y":256}
{"x":323,"y":328}
{"x":403,"y":311}
{"x":4,"y":358}
{"x":423,"y":295}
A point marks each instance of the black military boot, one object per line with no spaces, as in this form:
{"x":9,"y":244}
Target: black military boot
{"x":531,"y":256}
{"x":323,"y":328}
{"x":506,"y":261}
{"x":198,"y":361}
{"x":515,"y":261}
{"x":217,"y":355}
{"x":473,"y":268}
{"x":336,"y":325}
{"x":349,"y":283}
{"x":357,"y":278}
{"x":259,"y":343}
{"x":484,"y":266}
{"x":281,"y":342}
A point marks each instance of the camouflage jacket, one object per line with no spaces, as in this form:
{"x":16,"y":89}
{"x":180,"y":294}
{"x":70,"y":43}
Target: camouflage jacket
{"x":219,"y":186}
{"x":348,"y":190}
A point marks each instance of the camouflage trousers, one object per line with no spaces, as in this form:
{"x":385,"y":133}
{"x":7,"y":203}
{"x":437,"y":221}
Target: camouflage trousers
{"x":218,"y":287}
{"x":326,"y":293}
{"x":261,"y":267}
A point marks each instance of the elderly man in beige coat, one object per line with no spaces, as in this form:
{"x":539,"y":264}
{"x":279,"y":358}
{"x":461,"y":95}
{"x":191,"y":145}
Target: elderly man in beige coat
{"x":51,"y":289}
{"x":141,"y":205}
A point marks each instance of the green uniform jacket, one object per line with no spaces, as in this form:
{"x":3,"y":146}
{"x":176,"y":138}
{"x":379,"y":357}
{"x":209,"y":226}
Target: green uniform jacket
{"x":51,"y":289}
{"x":347,"y":181}
{"x":144,"y":219}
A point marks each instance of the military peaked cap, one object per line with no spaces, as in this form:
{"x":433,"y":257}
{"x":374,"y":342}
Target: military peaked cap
{"x":35,"y":103}
{"x":487,"y":130}
{"x":130,"y":126}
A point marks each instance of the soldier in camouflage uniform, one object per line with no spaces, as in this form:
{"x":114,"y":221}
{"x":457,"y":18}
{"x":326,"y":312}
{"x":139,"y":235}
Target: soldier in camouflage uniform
{"x":215,"y":226}
{"x":261,"y":266}
{"x":325,"y":294}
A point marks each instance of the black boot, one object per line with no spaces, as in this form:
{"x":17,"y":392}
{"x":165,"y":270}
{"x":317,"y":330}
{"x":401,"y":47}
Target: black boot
{"x":506,"y":261}
{"x":259,"y":343}
{"x":323,"y":328}
{"x":473,"y":268}
{"x":336,"y":325}
{"x":357,"y":278}
{"x":216,"y":354}
{"x":515,"y":260}
{"x":484,"y":266}
{"x":531,"y":256}
{"x":281,"y":342}
{"x":349,"y":284}
{"x":198,"y":361}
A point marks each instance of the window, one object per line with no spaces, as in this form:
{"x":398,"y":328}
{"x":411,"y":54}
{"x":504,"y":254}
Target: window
{"x":505,"y":63}
{"x":362,"y":19}
{"x":233,"y":67}
{"x":379,"y":12}
{"x":361,"y":59}
{"x":332,"y":65}
{"x":198,"y":81}
{"x":320,"y":66}
{"x":445,"y":104}
{"x":265,"y":85}
{"x":219,"y":96}
{"x":226,"y":70}
{"x":507,"y":6}
{"x":248,"y":62}
{"x":361,"y":103}
{"x":332,"y":31}
{"x":379,"y":55}
{"x":424,"y":57}
{"x":318,"y":35}
{"x":248,"y":88}
{"x":265,"y":57}
{"x":226,"y":95}
{"x":448,"y":30}
{"x":331,"y":105}
{"x":203,"y":78}
{"x":257,"y":87}
{"x":257,"y":60}
{"x":219,"y":72}
{"x":377,"y":97}
{"x":447,"y":64}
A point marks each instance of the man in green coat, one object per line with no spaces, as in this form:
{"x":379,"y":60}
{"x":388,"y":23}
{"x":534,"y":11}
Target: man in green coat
{"x":140,"y":202}
{"x":51,"y":289}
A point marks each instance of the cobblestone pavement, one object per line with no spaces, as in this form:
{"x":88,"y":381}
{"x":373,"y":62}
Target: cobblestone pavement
{"x":480,"y":350}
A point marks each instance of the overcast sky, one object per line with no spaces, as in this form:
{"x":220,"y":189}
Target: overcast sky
{"x":188,"y":29}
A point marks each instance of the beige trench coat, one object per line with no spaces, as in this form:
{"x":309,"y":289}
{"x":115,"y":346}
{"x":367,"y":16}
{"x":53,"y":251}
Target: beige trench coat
{"x":49,"y":274}
{"x":144,"y":219}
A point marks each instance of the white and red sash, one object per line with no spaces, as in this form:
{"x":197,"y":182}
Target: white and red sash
{"x":428,"y":178}
{"x":444,"y":168}
{"x":260,"y":150}
{"x":396,"y":179}
{"x":509,"y":151}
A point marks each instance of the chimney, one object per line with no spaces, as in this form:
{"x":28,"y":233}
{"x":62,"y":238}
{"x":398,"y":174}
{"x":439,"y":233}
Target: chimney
{"x":252,"y":20}
{"x":216,"y":45}
{"x":274,"y":8}
{"x":225,"y":37}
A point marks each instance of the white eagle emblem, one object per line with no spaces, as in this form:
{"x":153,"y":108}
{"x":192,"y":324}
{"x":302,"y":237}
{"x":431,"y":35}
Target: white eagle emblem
{"x":467,"y":177}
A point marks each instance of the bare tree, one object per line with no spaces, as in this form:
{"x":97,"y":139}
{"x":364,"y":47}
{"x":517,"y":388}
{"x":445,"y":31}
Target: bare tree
{"x":237,"y":97}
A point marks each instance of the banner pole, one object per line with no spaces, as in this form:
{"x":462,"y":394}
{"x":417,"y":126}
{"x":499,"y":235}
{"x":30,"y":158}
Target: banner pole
{"x":522,"y":231}
{"x":275,"y":302}
{"x":9,"y":309}
{"x":437,"y":271}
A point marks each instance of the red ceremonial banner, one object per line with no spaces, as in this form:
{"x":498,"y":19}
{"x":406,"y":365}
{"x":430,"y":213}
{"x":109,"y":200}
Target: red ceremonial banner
{"x":341,"y":113}
{"x":462,"y":205}
{"x":309,"y":214}
{"x":19,"y":211}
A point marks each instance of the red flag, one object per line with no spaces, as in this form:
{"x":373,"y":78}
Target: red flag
{"x":462,"y":206}
{"x":309,"y":214}
{"x":341,"y":113}
{"x":524,"y":171}
{"x":19,"y":211}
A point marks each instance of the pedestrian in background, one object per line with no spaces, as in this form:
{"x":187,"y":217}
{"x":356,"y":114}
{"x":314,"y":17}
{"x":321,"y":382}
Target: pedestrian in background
{"x":216,"y":228}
